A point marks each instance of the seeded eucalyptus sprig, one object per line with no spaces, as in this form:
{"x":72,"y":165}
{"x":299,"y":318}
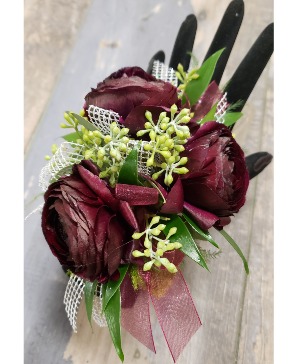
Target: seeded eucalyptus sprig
{"x":108,"y":151}
{"x":185,"y":78}
{"x":152,"y":234}
{"x":167,"y":137}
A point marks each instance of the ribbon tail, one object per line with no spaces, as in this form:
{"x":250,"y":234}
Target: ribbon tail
{"x":135,"y":315}
{"x":176,"y":313}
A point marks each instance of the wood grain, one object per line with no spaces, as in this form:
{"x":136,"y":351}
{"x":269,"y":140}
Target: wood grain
{"x":236,"y":310}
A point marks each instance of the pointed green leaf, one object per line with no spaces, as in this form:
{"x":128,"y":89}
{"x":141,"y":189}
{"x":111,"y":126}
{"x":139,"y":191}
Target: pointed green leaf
{"x":89,"y":291}
{"x":204,"y":234}
{"x":72,"y":137}
{"x":82,"y":121}
{"x":111,"y":287}
{"x":183,"y":236}
{"x":232,"y":117}
{"x":236,"y":248}
{"x":195,"y":88}
{"x":113,"y":316}
{"x":129,"y":170}
{"x":210,"y":115}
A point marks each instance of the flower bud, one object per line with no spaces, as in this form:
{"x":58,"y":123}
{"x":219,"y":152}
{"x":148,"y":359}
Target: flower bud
{"x":181,"y":170}
{"x":171,"y":268}
{"x":170,"y":246}
{"x":124,"y":131}
{"x":177,"y":245}
{"x":148,"y":147}
{"x":137,"y":254}
{"x":179,"y":148}
{"x":137,"y":235}
{"x":165,"y":261}
{"x":172,"y":231}
{"x":166,"y":154}
{"x":161,"y":226}
{"x":183,"y":161}
{"x":141,"y":133}
{"x":147,"y":253}
{"x":148,"y":125}
{"x":170,"y":130}
{"x":160,"y":245}
{"x":101,"y":153}
{"x":152,"y":135}
{"x":125,"y":140}
{"x":169,"y":143}
{"x":148,"y":115}
{"x":147,"y":243}
{"x":54,"y":148}
{"x":107,"y":139}
{"x":113,"y":153}
{"x":148,"y":265}
{"x":155,"y":220}
{"x":159,"y":252}
{"x":168,"y":180}
{"x":174,"y":108}
{"x":155,"y":231}
{"x":88,"y":154}
{"x":163,"y":126}
{"x":171,"y":160}
{"x":97,"y":133}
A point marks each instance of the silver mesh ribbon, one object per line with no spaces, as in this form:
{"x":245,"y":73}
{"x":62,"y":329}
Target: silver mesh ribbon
{"x":164,"y":73}
{"x":103,"y":118}
{"x":72,"y":299}
{"x":143,"y":155}
{"x":61,"y":163}
{"x":97,"y":314}
{"x":221,"y":109}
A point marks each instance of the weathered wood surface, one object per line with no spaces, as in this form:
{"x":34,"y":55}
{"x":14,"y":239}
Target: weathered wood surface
{"x":236,"y":311}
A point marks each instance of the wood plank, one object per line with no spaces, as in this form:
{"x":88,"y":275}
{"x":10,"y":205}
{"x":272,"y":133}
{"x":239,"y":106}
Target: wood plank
{"x":235,"y":310}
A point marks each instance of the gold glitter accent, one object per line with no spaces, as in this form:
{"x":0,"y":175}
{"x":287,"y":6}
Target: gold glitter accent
{"x":136,"y":279}
{"x":161,"y":281}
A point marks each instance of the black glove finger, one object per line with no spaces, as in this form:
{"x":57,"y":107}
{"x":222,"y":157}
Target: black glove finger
{"x":248,"y":72}
{"x":225,"y":36}
{"x":184,"y":43}
{"x":257,"y":162}
{"x":158,"y":56}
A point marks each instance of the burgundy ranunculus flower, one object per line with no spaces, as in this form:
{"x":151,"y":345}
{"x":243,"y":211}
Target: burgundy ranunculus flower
{"x":131,"y":92}
{"x":86,"y":223}
{"x":216,"y":184}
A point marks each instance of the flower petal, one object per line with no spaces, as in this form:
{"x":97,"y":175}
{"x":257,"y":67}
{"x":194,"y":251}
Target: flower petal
{"x":137,"y":195}
{"x":174,"y":200}
{"x":203,"y":218}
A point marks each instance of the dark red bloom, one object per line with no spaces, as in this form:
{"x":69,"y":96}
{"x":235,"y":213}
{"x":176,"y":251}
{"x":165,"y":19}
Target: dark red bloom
{"x":131,"y":92}
{"x":217,"y":182}
{"x":87,"y":224}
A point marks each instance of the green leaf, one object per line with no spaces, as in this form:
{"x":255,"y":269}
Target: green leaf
{"x":129,"y":170}
{"x":113,"y":315}
{"x":236,"y":248}
{"x":84,"y":122}
{"x":195,"y":88}
{"x":111,"y":287}
{"x":204,"y":234}
{"x":89,"y":290}
{"x":210,"y":115}
{"x":72,"y":137}
{"x":232,"y":117}
{"x":183,"y":236}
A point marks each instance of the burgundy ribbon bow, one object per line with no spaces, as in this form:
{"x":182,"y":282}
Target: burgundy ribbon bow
{"x":173,"y":305}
